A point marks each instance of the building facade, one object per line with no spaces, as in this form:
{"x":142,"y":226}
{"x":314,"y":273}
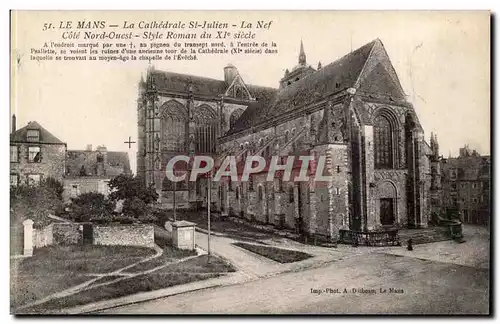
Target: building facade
{"x":35,"y":154}
{"x":466,"y":186}
{"x":91,"y":170}
{"x":353,"y":111}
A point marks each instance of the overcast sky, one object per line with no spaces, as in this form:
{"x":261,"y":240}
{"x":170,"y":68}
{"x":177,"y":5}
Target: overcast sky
{"x":442,"y":60}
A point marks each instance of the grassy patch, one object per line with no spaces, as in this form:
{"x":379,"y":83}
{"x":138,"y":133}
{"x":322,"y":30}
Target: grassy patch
{"x":273,"y":253}
{"x":141,"y":283}
{"x":199,"y":265}
{"x":28,"y":289}
{"x":170,"y":254}
{"x":104,"y":279}
{"x":81,"y":259}
{"x":55,"y":268}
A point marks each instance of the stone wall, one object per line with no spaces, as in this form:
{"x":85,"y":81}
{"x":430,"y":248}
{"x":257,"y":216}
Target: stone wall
{"x":67,"y":233}
{"x":133,"y":235}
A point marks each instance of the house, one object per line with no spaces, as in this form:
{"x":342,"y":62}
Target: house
{"x":35,"y":154}
{"x":91,"y":170}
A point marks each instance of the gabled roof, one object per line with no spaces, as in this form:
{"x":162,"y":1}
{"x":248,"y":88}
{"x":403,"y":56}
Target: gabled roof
{"x":338,"y":75}
{"x":45,"y":136}
{"x":178,"y":82}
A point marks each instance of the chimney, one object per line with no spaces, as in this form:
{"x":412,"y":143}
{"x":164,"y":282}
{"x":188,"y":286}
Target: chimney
{"x":13,"y":123}
{"x":89,"y":147}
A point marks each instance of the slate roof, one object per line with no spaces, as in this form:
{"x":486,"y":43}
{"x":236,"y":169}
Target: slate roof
{"x":45,"y":136}
{"x":340,"y":74}
{"x":177,"y":82}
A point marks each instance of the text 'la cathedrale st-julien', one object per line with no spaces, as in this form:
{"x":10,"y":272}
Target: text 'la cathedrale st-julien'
{"x":100,"y":24}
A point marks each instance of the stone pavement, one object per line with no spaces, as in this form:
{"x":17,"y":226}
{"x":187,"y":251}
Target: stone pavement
{"x":474,"y":252}
{"x":254,"y":268}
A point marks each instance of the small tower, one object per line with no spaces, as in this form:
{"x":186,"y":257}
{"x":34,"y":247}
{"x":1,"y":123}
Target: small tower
{"x":302,"y":54}
{"x":299,"y":71}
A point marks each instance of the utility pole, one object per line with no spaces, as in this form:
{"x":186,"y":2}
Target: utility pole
{"x":208,"y":211}
{"x":175,"y":209}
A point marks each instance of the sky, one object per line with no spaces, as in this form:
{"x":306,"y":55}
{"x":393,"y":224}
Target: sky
{"x":442,"y":60}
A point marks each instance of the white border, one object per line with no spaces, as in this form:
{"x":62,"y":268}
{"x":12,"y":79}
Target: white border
{"x":198,"y":5}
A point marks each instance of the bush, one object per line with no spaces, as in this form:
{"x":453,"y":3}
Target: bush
{"x":124,"y":219}
{"x":148,"y":218}
{"x":91,"y":206}
{"x":36,"y":202}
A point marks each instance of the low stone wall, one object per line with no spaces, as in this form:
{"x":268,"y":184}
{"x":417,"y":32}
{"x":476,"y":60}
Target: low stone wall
{"x":43,"y":236}
{"x":133,"y":235}
{"x":67,"y":233}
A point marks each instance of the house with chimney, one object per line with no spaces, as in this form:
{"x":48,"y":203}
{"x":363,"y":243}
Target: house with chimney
{"x":36,"y":154}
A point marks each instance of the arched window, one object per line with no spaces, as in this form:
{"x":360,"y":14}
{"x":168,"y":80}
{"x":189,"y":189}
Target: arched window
{"x":206,"y":129}
{"x":382,"y":134}
{"x":287,"y":137}
{"x":173,"y":126}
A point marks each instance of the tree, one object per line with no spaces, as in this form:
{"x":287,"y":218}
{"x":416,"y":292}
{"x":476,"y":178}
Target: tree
{"x":134,"y":207}
{"x":91,"y":206}
{"x":54,"y":186}
{"x":128,"y":187}
{"x":135,"y":195}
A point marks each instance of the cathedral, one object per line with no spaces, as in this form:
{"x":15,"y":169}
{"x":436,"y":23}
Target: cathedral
{"x":353,"y":111}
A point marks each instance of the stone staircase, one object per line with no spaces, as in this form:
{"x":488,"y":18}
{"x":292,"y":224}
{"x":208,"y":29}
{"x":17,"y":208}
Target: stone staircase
{"x":425,"y":235}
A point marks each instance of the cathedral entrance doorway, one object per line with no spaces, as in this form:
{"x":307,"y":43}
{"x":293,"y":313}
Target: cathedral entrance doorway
{"x":386,"y":211}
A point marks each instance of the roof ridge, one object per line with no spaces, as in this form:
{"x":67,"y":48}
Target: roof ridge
{"x":374,"y":42}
